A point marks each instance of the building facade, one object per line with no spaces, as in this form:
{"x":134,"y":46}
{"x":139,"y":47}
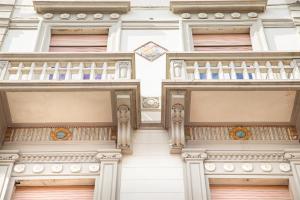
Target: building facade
{"x":149,"y":99}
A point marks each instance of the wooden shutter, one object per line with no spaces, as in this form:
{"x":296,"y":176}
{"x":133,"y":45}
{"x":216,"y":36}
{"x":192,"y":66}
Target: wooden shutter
{"x":222,"y":42}
{"x":78,"y":43}
{"x":53,"y":193}
{"x":250,"y":193}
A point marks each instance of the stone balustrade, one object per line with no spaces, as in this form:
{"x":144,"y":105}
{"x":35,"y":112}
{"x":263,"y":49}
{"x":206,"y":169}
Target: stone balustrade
{"x":246,"y":66}
{"x":258,"y":133}
{"x":40,"y":67}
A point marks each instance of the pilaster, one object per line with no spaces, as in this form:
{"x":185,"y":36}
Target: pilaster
{"x":107,"y":187}
{"x":293,"y":155}
{"x":7,"y":159}
{"x":194,"y":175}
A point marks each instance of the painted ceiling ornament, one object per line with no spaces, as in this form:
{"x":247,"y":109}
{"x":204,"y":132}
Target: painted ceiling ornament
{"x":61,"y":134}
{"x":240,"y":133}
{"x":151,"y":51}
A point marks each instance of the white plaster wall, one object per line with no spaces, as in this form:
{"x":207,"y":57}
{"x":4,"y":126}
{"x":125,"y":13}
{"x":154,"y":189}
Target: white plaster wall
{"x":151,"y":73}
{"x":282,"y":39}
{"x":151,"y":173}
{"x":19,"y":41}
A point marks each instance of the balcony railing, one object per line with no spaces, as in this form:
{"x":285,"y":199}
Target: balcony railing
{"x":39,"y":67}
{"x":249,"y":66}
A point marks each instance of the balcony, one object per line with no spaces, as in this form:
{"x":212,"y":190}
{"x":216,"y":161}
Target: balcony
{"x":91,"y":91}
{"x":102,"y":6}
{"x":181,"y":6}
{"x":244,"y":89}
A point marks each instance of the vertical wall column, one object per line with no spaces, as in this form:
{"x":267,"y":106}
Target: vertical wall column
{"x":7,"y":159}
{"x":294,"y":157}
{"x":107,"y":187}
{"x":195,"y":181}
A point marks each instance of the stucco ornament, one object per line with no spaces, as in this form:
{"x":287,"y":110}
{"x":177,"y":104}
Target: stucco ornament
{"x":285,"y":167}
{"x":65,"y":16}
{"x":94,"y":167}
{"x":219,"y":15}
{"x":75,"y":168}
{"x":186,"y":15}
{"x":228,"y":167}
{"x":48,"y":16}
{"x":38,"y":168}
{"x":235,"y":15}
{"x":247,"y":167}
{"x":57,"y":168}
{"x":202,"y":15}
{"x":252,"y":14}
{"x":150,"y":102}
{"x":210,"y":167}
{"x":98,"y":16}
{"x":266,"y":167}
{"x":19,"y":168}
{"x":115,"y":16}
{"x":81,"y":16}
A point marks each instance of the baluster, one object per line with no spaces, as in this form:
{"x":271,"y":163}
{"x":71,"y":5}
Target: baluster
{"x":92,"y":72}
{"x":270,"y":74}
{"x":4,"y":65}
{"x":44,"y":71}
{"x":221,"y":71}
{"x":80,"y":72}
{"x":109,"y":134}
{"x":104,"y":71}
{"x":19,"y":71}
{"x":192,"y":133}
{"x":196,"y":71}
{"x":208,"y":71}
{"x":245,"y":71}
{"x":283,"y":74}
{"x":232,"y":71}
{"x":31,"y":71}
{"x":68,"y":72}
{"x":296,"y":72}
{"x":257,"y":71}
{"x":101,"y":137}
{"x":56,"y":71}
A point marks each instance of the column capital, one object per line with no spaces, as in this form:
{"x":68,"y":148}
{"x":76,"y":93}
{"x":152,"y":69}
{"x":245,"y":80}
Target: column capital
{"x":9,"y":156}
{"x":194,"y":155}
{"x":113,"y":155}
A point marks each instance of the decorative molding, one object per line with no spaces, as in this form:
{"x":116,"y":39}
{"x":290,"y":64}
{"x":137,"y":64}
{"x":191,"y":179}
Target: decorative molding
{"x":44,"y":6}
{"x":109,"y":156}
{"x":181,"y":6}
{"x":194,"y":156}
{"x":253,"y":133}
{"x":64,"y":157}
{"x":150,"y":103}
{"x":24,"y":135}
{"x":150,"y":51}
{"x":8,"y":156}
{"x":73,"y":17}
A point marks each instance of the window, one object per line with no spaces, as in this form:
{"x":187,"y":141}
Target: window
{"x":252,"y":188}
{"x":222,"y":42}
{"x":57,"y":189}
{"x":78,"y":40}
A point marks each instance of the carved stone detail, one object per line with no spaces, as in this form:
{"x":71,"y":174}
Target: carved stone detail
{"x":150,"y":102}
{"x":285,"y":167}
{"x":76,"y":168}
{"x":266,"y":167}
{"x":108,"y":156}
{"x":210,"y":167}
{"x":246,"y":156}
{"x":57,"y":168}
{"x":228,"y":167}
{"x":38,"y":168}
{"x":8,"y":157}
{"x":194,"y":156}
{"x":124,"y":127}
{"x":19,"y":168}
{"x":177,"y":126}
{"x":94,"y":167}
{"x":247,"y":167}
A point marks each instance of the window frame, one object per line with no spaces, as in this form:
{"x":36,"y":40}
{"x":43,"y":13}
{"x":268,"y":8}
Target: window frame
{"x":46,"y":27}
{"x":259,"y":43}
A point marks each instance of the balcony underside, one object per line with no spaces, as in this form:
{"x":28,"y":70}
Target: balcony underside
{"x":57,"y":103}
{"x":217,"y":103}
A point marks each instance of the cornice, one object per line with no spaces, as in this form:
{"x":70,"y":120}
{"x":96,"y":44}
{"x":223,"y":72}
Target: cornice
{"x":181,"y":6}
{"x":8,"y":156}
{"x":105,"y":6}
